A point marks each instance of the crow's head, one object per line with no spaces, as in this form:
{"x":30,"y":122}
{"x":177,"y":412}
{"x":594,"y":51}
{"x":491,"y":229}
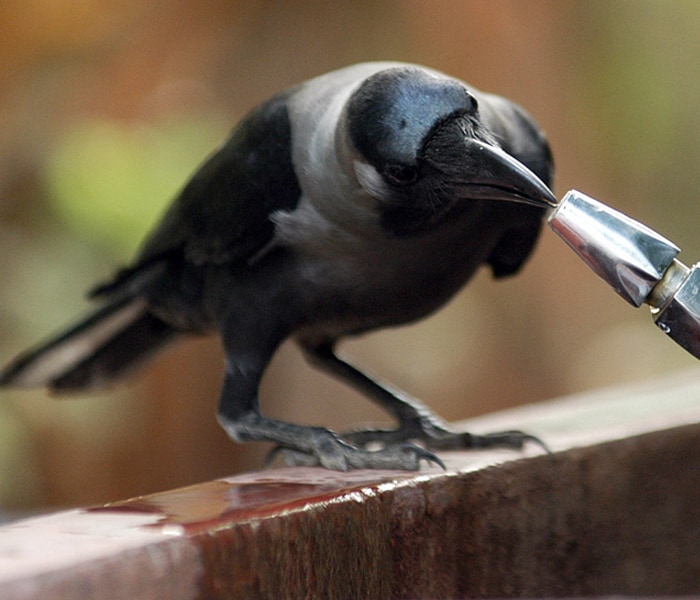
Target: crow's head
{"x":424,"y":149}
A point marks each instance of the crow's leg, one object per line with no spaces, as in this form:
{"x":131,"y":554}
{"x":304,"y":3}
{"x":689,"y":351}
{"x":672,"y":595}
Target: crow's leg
{"x":305,"y":445}
{"x":416,"y":421}
{"x":239,"y":415}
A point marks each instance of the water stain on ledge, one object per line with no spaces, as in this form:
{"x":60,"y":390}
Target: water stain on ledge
{"x":203,"y":507}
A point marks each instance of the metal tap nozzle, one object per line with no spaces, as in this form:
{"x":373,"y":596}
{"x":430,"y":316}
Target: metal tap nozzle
{"x":638,"y":263}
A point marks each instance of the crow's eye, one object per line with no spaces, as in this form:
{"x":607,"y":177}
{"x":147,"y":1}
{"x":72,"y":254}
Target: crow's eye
{"x":398,"y":174}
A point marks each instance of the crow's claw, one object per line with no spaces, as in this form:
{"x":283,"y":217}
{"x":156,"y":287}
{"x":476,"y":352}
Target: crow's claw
{"x":437,"y":436}
{"x":405,"y":457}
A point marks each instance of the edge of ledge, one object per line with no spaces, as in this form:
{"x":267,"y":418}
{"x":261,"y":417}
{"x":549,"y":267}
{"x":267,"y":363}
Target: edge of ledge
{"x":208,"y":536}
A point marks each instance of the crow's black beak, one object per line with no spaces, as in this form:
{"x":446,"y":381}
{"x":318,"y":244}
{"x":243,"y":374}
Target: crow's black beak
{"x":493,"y":174}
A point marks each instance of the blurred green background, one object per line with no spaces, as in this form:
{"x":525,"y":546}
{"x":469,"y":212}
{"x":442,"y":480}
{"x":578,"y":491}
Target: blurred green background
{"x":107,"y":106}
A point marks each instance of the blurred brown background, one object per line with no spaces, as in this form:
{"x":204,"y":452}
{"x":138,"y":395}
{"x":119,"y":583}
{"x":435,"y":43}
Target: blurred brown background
{"x":106,"y":106}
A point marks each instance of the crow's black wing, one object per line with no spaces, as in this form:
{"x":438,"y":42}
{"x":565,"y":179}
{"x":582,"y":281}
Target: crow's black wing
{"x":223,"y":212}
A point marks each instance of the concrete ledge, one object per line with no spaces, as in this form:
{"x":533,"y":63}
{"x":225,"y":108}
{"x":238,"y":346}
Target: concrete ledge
{"x":615,"y":510}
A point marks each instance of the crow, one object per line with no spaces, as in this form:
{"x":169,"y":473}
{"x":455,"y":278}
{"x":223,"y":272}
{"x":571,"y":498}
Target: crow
{"x":361,"y":199}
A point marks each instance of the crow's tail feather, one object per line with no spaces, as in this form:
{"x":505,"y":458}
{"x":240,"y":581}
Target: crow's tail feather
{"x":108,"y":344}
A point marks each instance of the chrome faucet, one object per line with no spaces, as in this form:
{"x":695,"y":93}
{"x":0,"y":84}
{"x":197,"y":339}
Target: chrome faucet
{"x":638,"y":263}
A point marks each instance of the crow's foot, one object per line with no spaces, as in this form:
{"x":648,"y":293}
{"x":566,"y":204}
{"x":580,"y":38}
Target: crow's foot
{"x":341,"y":456}
{"x":437,"y":436}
